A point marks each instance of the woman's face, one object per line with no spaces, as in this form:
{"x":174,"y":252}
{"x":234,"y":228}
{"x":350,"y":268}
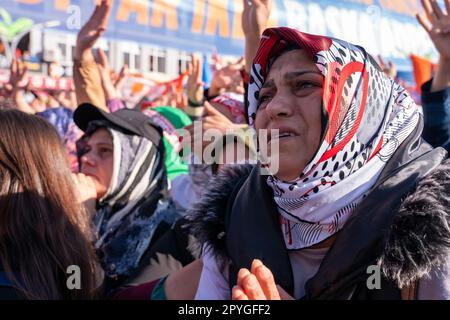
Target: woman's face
{"x":291,"y":101}
{"x":97,"y":161}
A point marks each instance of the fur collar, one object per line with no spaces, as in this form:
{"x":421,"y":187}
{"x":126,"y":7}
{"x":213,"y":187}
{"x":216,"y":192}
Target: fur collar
{"x":419,"y":237}
{"x":206,"y":220}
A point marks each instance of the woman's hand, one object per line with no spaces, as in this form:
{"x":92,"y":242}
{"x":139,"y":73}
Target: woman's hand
{"x":227,"y":78}
{"x":388,"y":68}
{"x":194,"y":86}
{"x":17,"y":73}
{"x":104,"y":70}
{"x":255,"y":18}
{"x":212,"y":119}
{"x":120,"y":79}
{"x":87,"y":193}
{"x":16,"y":84}
{"x":257,"y":284}
{"x":437,"y":25}
{"x":92,"y":30}
{"x":439,"y":30}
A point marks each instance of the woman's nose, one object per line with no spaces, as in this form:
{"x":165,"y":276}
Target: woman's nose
{"x":88,"y":159}
{"x":279,"y":106}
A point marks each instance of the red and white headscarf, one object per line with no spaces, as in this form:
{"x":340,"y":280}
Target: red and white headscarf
{"x":369,"y":116}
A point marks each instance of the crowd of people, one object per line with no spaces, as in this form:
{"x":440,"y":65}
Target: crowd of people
{"x":149,"y":206}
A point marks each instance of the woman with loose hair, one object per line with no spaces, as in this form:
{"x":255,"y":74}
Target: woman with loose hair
{"x":43,"y":231}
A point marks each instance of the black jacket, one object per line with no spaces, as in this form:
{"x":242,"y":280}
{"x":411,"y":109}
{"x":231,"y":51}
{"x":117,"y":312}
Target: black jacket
{"x":402,"y":226}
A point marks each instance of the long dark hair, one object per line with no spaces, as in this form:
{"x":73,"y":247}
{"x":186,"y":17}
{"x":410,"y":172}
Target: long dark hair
{"x":43,"y":228}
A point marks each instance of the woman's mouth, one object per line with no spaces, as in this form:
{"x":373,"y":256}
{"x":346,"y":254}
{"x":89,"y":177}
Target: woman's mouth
{"x":281,"y":136}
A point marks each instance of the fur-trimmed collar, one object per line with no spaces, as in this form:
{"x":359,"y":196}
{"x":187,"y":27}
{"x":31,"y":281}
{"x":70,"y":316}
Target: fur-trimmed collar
{"x":206,"y":220}
{"x":419,"y":237}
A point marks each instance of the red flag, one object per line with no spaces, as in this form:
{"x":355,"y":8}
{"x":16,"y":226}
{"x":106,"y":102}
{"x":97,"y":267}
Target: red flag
{"x":422,"y":69}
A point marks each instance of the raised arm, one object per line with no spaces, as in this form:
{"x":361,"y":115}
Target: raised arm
{"x":86,"y":75}
{"x":15,"y":86}
{"x":436,"y":94}
{"x":436,"y":23}
{"x":254,"y":20}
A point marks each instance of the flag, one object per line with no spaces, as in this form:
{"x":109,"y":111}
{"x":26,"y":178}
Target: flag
{"x":422,"y":69}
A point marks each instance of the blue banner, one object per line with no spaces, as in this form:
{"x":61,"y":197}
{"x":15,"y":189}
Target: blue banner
{"x":381,"y":26}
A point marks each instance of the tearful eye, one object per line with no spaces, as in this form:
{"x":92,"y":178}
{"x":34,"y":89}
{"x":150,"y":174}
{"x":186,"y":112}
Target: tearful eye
{"x":303,"y":88}
{"x":264,"y":99}
{"x":305,"y":85}
{"x":105,"y":151}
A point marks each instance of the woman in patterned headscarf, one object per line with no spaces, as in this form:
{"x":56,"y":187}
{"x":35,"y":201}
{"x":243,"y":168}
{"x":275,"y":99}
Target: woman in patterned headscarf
{"x":355,"y":186}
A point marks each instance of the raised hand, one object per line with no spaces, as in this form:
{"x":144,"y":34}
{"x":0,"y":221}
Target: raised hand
{"x":255,"y":18}
{"x":15,"y":86}
{"x":102,"y":62}
{"x":437,"y":25}
{"x":257,"y":284}
{"x":388,"y":68}
{"x":212,"y":119}
{"x":194,"y":84}
{"x":64,"y":99}
{"x":17,"y":75}
{"x":227,"y":78}
{"x":118,"y":82}
{"x":105,"y":75}
{"x":92,"y":30}
{"x":87,"y":193}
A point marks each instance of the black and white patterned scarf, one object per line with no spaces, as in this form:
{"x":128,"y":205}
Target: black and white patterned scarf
{"x":368,"y":116}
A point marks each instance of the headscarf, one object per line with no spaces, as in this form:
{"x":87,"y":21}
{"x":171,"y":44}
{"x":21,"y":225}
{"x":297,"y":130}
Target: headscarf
{"x":127,"y":214}
{"x":368,"y":118}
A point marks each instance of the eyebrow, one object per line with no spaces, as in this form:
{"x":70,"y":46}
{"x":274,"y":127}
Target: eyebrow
{"x":291,"y":75}
{"x":294,"y":74}
{"x":104,"y":144}
{"x":99,"y":144}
